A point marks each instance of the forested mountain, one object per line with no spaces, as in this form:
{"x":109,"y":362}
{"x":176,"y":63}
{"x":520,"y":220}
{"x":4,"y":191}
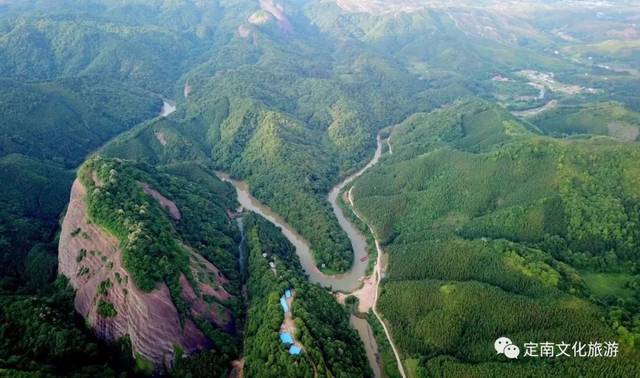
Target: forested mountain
{"x":505,"y":200}
{"x":47,"y":129}
{"x":331,"y":347}
{"x":145,"y":43}
{"x":495,"y":225}
{"x":165,"y":266}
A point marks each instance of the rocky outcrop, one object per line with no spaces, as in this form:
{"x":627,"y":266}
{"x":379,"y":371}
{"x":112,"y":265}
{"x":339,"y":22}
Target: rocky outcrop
{"x":92,"y":260}
{"x":277,"y":11}
{"x":186,"y":91}
{"x":244,"y":31}
{"x":260,"y":18}
{"x":166,"y":203}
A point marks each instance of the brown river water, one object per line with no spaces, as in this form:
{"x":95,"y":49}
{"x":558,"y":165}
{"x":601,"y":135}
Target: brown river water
{"x":345,"y":282}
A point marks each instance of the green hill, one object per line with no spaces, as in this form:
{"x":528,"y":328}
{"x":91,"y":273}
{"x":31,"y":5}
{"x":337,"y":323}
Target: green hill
{"x":47,"y":129}
{"x":142,"y":43}
{"x":607,"y":118}
{"x":496,"y":224}
{"x":331,"y":347}
{"x":491,"y":225}
{"x":64,"y":120}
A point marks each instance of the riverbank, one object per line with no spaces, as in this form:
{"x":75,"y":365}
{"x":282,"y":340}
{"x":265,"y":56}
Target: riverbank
{"x":368,"y":294}
{"x":355,"y":282}
{"x":345,"y":282}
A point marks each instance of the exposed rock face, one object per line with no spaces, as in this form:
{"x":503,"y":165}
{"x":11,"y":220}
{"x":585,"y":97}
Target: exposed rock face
{"x":260,"y":18}
{"x":166,"y":203}
{"x":277,"y":11}
{"x":187,"y":90}
{"x":244,"y":31}
{"x":91,"y":259}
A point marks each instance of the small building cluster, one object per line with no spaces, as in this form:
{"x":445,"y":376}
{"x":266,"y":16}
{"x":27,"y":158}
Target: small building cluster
{"x":285,"y":335}
{"x":283,"y":302}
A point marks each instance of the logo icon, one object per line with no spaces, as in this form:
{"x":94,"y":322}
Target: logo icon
{"x":504,"y":345}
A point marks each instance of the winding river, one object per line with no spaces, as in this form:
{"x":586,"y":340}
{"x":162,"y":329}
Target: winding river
{"x":345,"y":282}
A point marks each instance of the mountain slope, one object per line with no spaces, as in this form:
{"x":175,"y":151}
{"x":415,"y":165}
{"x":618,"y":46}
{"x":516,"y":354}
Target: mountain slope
{"x":495,"y":226}
{"x":331,"y":347}
{"x":63,"y":120}
{"x":133,"y":246}
{"x":47,"y":129}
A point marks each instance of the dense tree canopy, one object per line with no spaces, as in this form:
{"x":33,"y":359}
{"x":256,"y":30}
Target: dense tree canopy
{"x":493,"y":225}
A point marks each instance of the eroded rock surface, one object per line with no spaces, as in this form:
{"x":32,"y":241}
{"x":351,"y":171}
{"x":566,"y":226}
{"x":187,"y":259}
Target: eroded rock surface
{"x":166,"y":203}
{"x":92,"y":260}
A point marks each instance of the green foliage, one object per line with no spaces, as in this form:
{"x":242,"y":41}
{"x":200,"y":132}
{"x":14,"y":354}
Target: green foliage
{"x":203,"y":200}
{"x":154,"y":245}
{"x":607,"y":118}
{"x":142,"y":366}
{"x":103,"y":287}
{"x":201,"y":365}
{"x":504,"y":213}
{"x":48,"y":128}
{"x":296,"y":182}
{"x":31,"y":199}
{"x":151,"y":251}
{"x":103,"y":38}
{"x":40,"y":267}
{"x":157,"y":248}
{"x":617,"y":285}
{"x":331,"y":347}
{"x":43,"y":336}
{"x":487,"y":226}
{"x":106,"y":309}
{"x":287,"y":118}
{"x":70,"y":117}
{"x":387,"y":357}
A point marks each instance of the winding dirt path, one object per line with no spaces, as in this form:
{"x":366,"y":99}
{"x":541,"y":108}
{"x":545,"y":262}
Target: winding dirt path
{"x":378,"y":274}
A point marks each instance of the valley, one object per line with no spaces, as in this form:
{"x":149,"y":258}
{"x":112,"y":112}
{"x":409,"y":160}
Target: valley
{"x":355,"y":282}
{"x":338,"y":188}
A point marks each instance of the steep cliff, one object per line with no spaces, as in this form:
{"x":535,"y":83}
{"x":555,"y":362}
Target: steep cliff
{"x":194,"y":314}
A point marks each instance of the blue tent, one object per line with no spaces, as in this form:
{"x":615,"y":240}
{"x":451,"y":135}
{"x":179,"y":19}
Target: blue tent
{"x":283,"y":303}
{"x":286,"y":338}
{"x":287,"y":293}
{"x":295,"y":350}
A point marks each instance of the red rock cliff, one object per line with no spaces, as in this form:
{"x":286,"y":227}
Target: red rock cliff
{"x":91,"y":259}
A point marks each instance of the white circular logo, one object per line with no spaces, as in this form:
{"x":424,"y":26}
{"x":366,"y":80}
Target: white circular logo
{"x":501,"y":343}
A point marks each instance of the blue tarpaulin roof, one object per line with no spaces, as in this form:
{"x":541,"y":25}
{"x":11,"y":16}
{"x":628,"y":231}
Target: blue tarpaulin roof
{"x":283,"y":303}
{"x":287,"y":293}
{"x":294,"y":350}
{"x":286,"y":338}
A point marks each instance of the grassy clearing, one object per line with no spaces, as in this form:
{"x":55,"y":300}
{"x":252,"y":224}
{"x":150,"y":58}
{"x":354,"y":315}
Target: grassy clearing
{"x":608,"y":284}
